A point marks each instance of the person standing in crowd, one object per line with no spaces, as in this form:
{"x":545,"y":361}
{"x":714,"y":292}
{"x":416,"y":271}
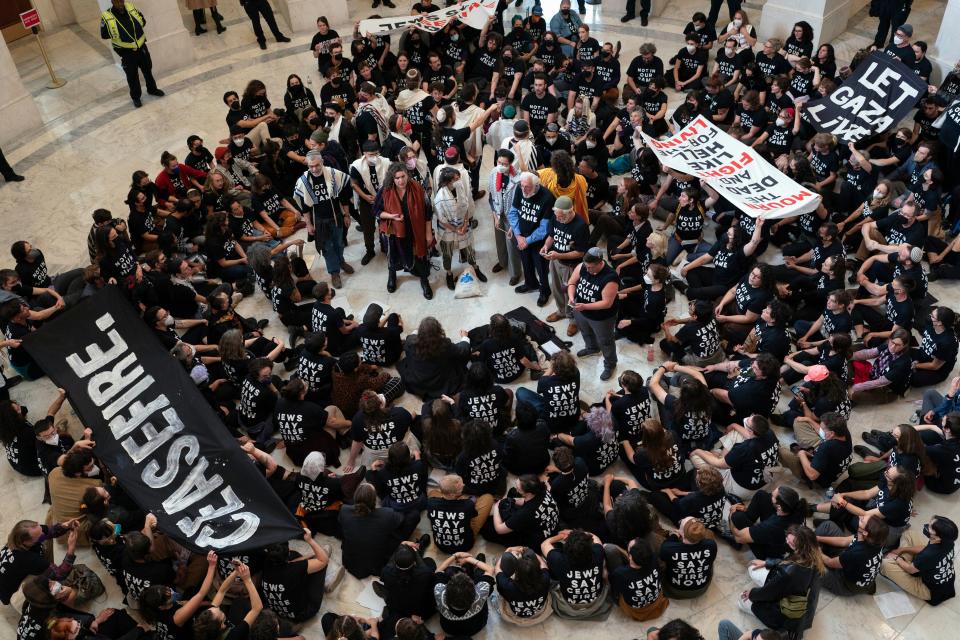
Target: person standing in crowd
{"x":592,"y":293}
{"x":257,"y":8}
{"x":566,"y":242}
{"x":198,"y":7}
{"x":324,"y":193}
{"x":402,"y":209}
{"x":529,"y":216}
{"x":123,"y":24}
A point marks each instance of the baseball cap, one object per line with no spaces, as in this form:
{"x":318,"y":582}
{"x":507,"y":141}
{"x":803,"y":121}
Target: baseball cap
{"x":907,"y":29}
{"x":537,"y":10}
{"x":816,"y":373}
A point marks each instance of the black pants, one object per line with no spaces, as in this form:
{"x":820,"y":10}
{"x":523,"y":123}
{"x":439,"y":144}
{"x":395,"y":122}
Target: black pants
{"x":5,"y":169}
{"x":732,"y":5}
{"x":644,"y":8}
{"x":536,"y":269}
{"x":888,"y":26}
{"x":135,"y":62}
{"x":256,"y":8}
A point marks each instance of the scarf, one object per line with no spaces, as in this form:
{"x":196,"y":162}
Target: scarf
{"x":335,"y":129}
{"x":408,"y":98}
{"x":381,"y":111}
{"x":416,"y":208}
{"x":576,"y":191}
{"x":501,"y":177}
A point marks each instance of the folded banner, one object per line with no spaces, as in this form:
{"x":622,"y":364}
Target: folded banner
{"x":473,"y":13}
{"x":155,"y":432}
{"x":736,"y":171}
{"x":879,"y":94}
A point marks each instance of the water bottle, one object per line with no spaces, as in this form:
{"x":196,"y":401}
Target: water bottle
{"x":829,"y":494}
{"x":650,"y":353}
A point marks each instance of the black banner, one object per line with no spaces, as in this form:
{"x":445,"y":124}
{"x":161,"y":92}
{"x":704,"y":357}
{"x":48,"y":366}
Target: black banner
{"x":154,"y":430}
{"x":949,"y":123}
{"x":879,"y":94}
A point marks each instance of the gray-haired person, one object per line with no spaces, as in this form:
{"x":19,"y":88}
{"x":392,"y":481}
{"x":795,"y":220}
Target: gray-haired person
{"x":568,"y":238}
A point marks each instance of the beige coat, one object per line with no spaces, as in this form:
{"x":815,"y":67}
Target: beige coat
{"x":201,"y":4}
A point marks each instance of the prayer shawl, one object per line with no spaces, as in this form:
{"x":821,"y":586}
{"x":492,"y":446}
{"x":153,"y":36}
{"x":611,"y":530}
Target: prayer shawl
{"x":576,"y":191}
{"x":462,"y":119}
{"x":408,"y":98}
{"x":363,"y":170}
{"x":381,"y":111}
{"x":335,"y":129}
{"x":416,"y":208}
{"x":451,"y":208}
{"x":336,"y":181}
{"x":407,"y":142}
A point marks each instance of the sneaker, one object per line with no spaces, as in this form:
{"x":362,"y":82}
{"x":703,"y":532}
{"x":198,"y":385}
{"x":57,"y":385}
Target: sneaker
{"x":336,"y":281}
{"x":607,"y":373}
{"x":367,"y":257}
{"x":556,"y":316}
{"x":332,"y":581}
{"x":583,"y":353}
{"x":346,"y":268}
{"x":627,"y":18}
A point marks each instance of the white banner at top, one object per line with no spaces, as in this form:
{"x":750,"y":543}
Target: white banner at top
{"x":473,"y":13}
{"x":736,"y":171}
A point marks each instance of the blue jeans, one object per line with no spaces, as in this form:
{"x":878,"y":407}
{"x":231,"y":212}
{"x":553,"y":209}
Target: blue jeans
{"x":694,"y":249}
{"x":332,"y":250}
{"x":728,"y":631}
{"x":235,"y":272}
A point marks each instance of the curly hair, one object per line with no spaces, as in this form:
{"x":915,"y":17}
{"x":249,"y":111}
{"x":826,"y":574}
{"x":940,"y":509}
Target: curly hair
{"x":562,"y":164}
{"x":431,"y":339}
{"x":632,"y":517}
{"x":709,"y":481}
{"x":564,"y":366}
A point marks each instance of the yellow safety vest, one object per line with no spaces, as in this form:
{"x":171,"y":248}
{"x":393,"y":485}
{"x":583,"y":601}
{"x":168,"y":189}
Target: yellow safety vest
{"x":113,"y":28}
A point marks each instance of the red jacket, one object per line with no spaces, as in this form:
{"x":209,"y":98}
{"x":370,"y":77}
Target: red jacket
{"x":165,"y":184}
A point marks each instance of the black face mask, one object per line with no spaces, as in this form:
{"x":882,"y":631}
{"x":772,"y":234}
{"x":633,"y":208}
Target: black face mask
{"x":297,"y":88}
{"x":312,"y":121}
{"x":235,"y":106}
{"x":926,"y":530}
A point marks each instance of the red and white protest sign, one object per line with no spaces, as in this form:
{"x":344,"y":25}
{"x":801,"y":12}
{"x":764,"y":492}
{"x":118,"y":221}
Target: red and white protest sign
{"x":473,"y":13}
{"x":30,"y":19}
{"x":734,"y":170}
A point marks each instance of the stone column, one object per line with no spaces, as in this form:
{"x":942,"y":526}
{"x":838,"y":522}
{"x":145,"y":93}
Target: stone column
{"x":946,"y":51}
{"x":55,"y":13}
{"x":302,"y":15}
{"x":19,"y":114}
{"x":828,"y":18}
{"x":168,"y":41}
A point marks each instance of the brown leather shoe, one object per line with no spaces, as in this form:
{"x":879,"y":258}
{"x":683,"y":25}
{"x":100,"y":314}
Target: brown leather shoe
{"x":572,"y":329}
{"x":556,"y":316}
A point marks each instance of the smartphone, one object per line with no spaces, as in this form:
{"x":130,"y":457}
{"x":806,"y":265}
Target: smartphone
{"x":116,"y":529}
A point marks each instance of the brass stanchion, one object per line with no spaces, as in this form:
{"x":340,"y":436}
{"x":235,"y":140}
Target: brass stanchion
{"x":55,"y":81}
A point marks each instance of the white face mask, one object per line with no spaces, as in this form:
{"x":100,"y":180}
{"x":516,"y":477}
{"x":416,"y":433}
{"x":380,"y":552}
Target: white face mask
{"x":371,"y":161}
{"x":781,"y":122}
{"x":698,"y":27}
{"x":730,"y":52}
{"x":647,"y":279}
{"x":551,"y":140}
{"x":737,"y":23}
{"x":53,"y":440}
{"x":502,"y":169}
{"x":877,"y":195}
{"x":169,"y":321}
{"x":93,"y":473}
{"x":591,"y":145}
{"x":897,"y":40}
{"x":239,"y":141}
{"x":823,"y":434}
{"x":691,"y":48}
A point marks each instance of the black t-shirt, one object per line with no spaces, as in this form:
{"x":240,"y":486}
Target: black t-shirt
{"x":669,"y":476}
{"x":750,"y":394}
{"x":770,"y":535}
{"x":539,"y":109}
{"x":692,"y":428}
{"x":379,"y":437}
{"x":324,"y":318}
{"x":17,"y":564}
{"x":939,"y":346}
{"x":450,"y":522}
{"x":138,"y":576}
{"x":935,"y":564}
{"x":598,"y":454}
{"x":482,"y":405}
{"x":451,"y":137}
{"x":729,"y":265}
{"x":690,"y":63}
{"x":574,"y":492}
{"x":895,"y":232}
{"x":700,"y":339}
{"x":502,"y":357}
{"x":688,"y":567}
{"x":380,"y":345}
{"x":754,"y":118}
{"x":589,"y":288}
{"x":484,"y":64}
{"x":723,"y":99}
{"x":481,"y":473}
{"x":316,"y":371}
{"x":21,"y":451}
{"x":368,"y":540}
{"x":831,"y":459}
{"x":823,"y":164}
{"x":899,"y":313}
{"x":34,"y":274}
{"x":644,"y":72}
{"x":707,"y":509}
{"x":295,"y":420}
{"x":572,"y":236}
{"x":637,"y":588}
{"x":772,"y":339}
{"x":256,"y":401}
{"x":628,"y":412}
{"x":749,"y":298}
{"x":860,"y":564}
{"x":283,"y":590}
{"x":578,"y":586}
{"x":562,"y":399}
{"x":748,"y":459}
{"x":728,"y":65}
{"x":405,"y":486}
{"x":773,"y":65}
{"x":535,"y":520}
{"x":317,"y":495}
{"x":895,"y":511}
{"x":779,"y":139}
{"x":946,"y":458}
{"x":523,"y":604}
{"x":705,"y":36}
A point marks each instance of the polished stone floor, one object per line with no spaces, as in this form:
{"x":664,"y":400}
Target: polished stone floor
{"x":93,"y":140}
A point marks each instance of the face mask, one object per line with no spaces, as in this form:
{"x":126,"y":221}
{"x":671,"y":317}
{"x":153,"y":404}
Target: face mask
{"x":93,"y":473}
{"x":23,"y":411}
{"x":371,"y":161}
{"x":328,"y":120}
{"x":175,"y":596}
{"x":897,"y":40}
{"x":55,"y":589}
{"x":591,"y":145}
{"x":730,"y":52}
{"x":296,"y":88}
{"x":502,"y":169}
{"x":647,"y":279}
{"x":565,"y":12}
{"x":454,"y":37}
{"x":235,"y":106}
{"x":239,"y":141}
{"x":698,"y":27}
{"x":691,"y":48}
{"x":508,"y":56}
{"x":169,"y":321}
{"x":550,"y":140}
{"x":411,"y":163}
{"x":34,"y":254}
{"x":518,"y":28}
{"x":926,"y":530}
{"x":53,"y":440}
{"x":548,"y":41}
{"x":781,"y":122}
{"x":737,"y":23}
{"x":822,"y":433}
{"x":877,"y":195}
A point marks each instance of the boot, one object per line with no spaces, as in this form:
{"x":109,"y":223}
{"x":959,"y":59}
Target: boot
{"x":218,"y":20}
{"x":392,"y":281}
{"x":427,"y":291}
{"x":198,"y":22}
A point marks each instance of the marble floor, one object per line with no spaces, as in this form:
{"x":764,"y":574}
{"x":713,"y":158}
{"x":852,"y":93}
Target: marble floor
{"x":93,"y":140}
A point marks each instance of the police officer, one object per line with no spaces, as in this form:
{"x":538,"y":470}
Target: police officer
{"x":123,"y":25}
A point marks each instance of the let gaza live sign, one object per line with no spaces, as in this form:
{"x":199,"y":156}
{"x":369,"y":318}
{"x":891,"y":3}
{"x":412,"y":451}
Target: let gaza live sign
{"x":30,"y":19}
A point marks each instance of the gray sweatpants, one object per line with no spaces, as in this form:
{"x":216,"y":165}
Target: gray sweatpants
{"x":559,"y":275}
{"x":598,"y":334}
